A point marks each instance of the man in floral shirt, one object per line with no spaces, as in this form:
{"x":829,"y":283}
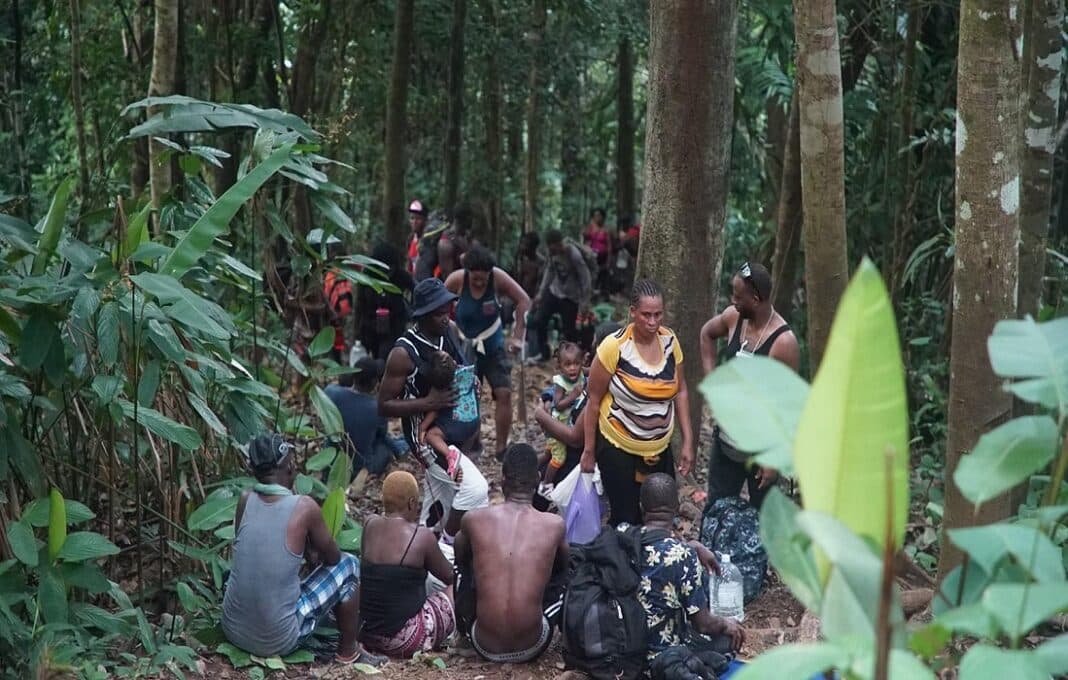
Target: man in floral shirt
{"x":675,"y":583}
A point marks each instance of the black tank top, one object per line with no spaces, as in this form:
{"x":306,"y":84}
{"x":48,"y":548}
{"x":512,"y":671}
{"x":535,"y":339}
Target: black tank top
{"x":420,"y":349}
{"x":735,"y":344}
{"x":391,"y":594}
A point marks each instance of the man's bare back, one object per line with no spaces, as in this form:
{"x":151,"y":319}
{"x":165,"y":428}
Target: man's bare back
{"x":515,"y":549}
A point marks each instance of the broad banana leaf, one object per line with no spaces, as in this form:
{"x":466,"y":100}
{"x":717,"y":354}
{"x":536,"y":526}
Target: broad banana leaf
{"x":853,"y":433}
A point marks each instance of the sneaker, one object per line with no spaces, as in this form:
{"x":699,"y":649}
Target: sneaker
{"x":362,"y":657}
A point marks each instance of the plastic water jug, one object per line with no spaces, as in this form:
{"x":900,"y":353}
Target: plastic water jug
{"x":728,"y":594}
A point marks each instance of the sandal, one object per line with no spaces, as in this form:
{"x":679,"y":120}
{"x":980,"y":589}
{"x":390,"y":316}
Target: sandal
{"x":453,"y":459}
{"x":362,"y":656}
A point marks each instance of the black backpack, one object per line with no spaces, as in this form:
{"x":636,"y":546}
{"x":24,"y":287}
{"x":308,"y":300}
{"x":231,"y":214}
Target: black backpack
{"x":603,"y":627}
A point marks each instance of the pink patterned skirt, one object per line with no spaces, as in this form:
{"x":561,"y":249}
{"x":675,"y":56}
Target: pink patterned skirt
{"x":425,"y":631}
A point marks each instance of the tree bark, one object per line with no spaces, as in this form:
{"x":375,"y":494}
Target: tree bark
{"x":531,"y":183}
{"x":76,"y":97}
{"x":687,"y":162}
{"x":625,"y":198}
{"x":778,"y":132}
{"x":1038,"y":120}
{"x":788,"y":217}
{"x":819,"y":81}
{"x":454,"y":126}
{"x":18,"y":99}
{"x":987,"y":234}
{"x":572,"y":182}
{"x":491,"y":92}
{"x":161,"y":83}
{"x":396,"y":122}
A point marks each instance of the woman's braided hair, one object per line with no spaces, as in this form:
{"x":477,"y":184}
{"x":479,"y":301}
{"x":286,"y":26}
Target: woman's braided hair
{"x":644,"y":288}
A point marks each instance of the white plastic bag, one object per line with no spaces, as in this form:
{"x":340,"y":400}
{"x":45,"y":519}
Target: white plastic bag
{"x":561,"y":493}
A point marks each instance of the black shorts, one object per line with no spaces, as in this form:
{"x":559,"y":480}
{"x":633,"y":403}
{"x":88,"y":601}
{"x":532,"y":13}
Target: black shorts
{"x":495,"y":367}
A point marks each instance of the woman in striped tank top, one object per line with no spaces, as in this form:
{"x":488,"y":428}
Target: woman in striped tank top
{"x":636,"y":380}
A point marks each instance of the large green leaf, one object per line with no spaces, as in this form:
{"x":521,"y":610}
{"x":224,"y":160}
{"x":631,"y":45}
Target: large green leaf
{"x":1006,"y":456}
{"x":329,"y":416}
{"x":52,"y":596}
{"x":185,"y":114}
{"x":213,"y":513}
{"x":758,"y":403}
{"x":24,"y":459}
{"x":38,"y":336}
{"x":57,"y":524}
{"x":216,"y":220}
{"x":988,"y":545}
{"x":36,"y":512}
{"x":185,"y":306}
{"x":851,"y":447}
{"x":1054,"y":655}
{"x":323,"y":342}
{"x":18,"y":233}
{"x":161,"y":425}
{"x":340,"y":472}
{"x":334,"y":511}
{"x":789,"y":548}
{"x":82,"y":546}
{"x":52,"y":227}
{"x":983,"y":662}
{"x":1037,"y":355}
{"x":23,"y":543}
{"x":107,"y":332}
{"x":1019,"y":607}
{"x":795,"y":661}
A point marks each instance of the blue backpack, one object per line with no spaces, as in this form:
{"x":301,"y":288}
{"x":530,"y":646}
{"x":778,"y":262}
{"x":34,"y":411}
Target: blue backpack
{"x":732,"y":526}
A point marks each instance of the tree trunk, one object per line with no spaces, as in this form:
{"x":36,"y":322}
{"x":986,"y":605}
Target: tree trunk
{"x":987,"y":234}
{"x":819,"y":82}
{"x":788,"y":217}
{"x":76,"y":98}
{"x":491,"y":92}
{"x":532,"y":185}
{"x":572,"y":182}
{"x":778,"y":131}
{"x":396,"y":115}
{"x":18,"y":99}
{"x":454,"y":127}
{"x":310,"y":45}
{"x":687,"y":161}
{"x":1038,"y":120}
{"x":625,"y":199}
{"x":161,"y":84}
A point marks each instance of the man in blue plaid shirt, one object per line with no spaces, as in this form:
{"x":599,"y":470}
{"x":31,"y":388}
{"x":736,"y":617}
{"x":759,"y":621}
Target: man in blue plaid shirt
{"x":267,"y":609}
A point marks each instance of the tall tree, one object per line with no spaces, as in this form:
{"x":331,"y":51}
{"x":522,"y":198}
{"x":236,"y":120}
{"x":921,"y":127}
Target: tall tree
{"x":531,"y":181}
{"x":161,"y":83}
{"x":454,"y":125}
{"x":987,"y":233}
{"x":76,"y":97}
{"x":18,"y":99}
{"x":1042,"y":64}
{"x":491,"y":92}
{"x":625,"y":199}
{"x":819,"y":82}
{"x":788,"y":216}
{"x":396,"y":121}
{"x":687,"y":160}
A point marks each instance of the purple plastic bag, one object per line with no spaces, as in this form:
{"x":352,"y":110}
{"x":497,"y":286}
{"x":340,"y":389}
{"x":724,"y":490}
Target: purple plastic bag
{"x":583,"y":516}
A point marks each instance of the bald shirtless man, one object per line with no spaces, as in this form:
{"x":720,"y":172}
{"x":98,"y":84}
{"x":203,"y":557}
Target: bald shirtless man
{"x":518,"y":558}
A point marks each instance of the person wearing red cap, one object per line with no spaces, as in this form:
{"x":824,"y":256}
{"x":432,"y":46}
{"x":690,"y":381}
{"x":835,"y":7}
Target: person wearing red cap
{"x":417,"y":221}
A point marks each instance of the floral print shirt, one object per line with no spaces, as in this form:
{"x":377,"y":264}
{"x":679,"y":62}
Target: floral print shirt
{"x":674,"y":586}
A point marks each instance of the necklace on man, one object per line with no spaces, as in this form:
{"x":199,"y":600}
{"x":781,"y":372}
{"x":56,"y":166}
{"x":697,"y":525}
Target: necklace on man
{"x":764,"y":334}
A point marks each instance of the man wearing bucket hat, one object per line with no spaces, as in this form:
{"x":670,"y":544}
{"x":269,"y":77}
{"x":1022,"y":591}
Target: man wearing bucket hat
{"x":267,"y":608}
{"x":406,"y":393}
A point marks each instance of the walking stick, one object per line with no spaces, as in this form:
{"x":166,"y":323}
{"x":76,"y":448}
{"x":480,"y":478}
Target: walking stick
{"x":522,"y":405}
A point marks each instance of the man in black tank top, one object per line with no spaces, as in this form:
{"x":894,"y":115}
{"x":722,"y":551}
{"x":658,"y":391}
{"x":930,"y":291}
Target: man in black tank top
{"x":752,"y":327}
{"x":406,"y":393}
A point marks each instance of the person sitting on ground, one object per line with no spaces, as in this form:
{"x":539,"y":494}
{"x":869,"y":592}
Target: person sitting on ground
{"x":674,"y":589}
{"x":569,"y":386}
{"x":399,"y":618}
{"x":456,"y":424}
{"x":367,"y":440}
{"x":267,"y":608}
{"x":754,"y":328}
{"x":512,"y":563}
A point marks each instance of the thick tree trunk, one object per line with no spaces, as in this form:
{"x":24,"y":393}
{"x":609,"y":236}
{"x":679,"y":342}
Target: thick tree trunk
{"x":18,"y":97}
{"x":819,"y":81}
{"x":491,"y":93}
{"x":161,"y":83}
{"x":310,"y":46}
{"x":625,"y":198}
{"x":1038,"y":120}
{"x":987,"y":234}
{"x":531,"y":176}
{"x":396,"y":122}
{"x":572,"y":181}
{"x":76,"y":97}
{"x":454,"y":126}
{"x":778,"y":130}
{"x":687,"y":161}
{"x":788,"y":217}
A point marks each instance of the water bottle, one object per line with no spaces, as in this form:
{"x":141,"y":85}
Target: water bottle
{"x":728,"y":595}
